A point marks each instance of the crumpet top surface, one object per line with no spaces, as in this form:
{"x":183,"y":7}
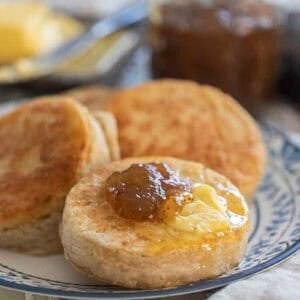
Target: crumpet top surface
{"x":186,"y":120}
{"x":87,"y":212}
{"x":43,"y":145}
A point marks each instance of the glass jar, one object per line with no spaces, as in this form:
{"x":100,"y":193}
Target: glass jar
{"x":231,"y":44}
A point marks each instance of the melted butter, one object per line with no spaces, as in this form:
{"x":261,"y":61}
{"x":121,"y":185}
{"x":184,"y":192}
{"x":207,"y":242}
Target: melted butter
{"x":204,"y":220}
{"x":208,"y":195}
{"x":206,"y":213}
{"x":187,"y":242}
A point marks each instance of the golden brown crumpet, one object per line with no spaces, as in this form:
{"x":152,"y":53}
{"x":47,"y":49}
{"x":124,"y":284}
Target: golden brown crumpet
{"x":193,"y":122}
{"x":93,"y":98}
{"x":205,"y":239}
{"x":46,"y":146}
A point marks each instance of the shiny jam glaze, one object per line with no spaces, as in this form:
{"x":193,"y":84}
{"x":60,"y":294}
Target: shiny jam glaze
{"x":151,"y":191}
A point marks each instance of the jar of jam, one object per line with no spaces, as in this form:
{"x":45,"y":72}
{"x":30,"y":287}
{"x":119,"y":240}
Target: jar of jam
{"x":231,"y":44}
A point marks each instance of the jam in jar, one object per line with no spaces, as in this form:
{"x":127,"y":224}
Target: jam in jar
{"x":151,"y":191}
{"x":231,"y":44}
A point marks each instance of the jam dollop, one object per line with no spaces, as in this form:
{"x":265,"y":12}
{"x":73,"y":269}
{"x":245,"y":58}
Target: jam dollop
{"x":150,"y":191}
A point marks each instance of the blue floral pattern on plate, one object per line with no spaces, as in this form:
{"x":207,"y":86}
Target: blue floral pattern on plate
{"x":275,"y":234}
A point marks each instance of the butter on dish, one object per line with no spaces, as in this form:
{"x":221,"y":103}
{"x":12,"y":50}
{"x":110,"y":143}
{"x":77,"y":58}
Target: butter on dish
{"x":29,"y":28}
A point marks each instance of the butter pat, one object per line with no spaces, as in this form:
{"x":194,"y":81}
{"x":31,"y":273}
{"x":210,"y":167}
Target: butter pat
{"x":207,"y":213}
{"x":208,"y":195}
{"x":28,"y":29}
{"x":204,"y":214}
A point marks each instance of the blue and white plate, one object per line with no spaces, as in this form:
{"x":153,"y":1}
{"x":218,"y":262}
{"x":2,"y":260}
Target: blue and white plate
{"x":275,"y":236}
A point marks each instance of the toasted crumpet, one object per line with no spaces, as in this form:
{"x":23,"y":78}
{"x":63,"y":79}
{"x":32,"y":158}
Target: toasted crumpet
{"x":207,"y":238}
{"x":46,"y":146}
{"x":194,"y":122}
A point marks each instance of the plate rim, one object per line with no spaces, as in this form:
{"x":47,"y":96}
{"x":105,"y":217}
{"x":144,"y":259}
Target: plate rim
{"x":199,"y":286}
{"x":177,"y":291}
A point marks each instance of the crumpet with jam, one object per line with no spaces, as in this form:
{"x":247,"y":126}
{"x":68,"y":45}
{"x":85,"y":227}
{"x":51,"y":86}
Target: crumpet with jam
{"x":154,"y":222}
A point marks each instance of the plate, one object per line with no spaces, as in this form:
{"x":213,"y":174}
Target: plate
{"x":274,"y":237}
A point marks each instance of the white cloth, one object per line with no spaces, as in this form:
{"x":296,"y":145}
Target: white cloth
{"x":279,"y":283}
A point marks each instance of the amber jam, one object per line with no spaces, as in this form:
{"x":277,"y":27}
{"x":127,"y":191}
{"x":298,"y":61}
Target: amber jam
{"x":151,"y":191}
{"x":233,"y":45}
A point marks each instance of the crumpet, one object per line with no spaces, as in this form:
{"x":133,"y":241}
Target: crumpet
{"x":205,"y":239}
{"x":46,"y":146}
{"x":194,"y":122}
